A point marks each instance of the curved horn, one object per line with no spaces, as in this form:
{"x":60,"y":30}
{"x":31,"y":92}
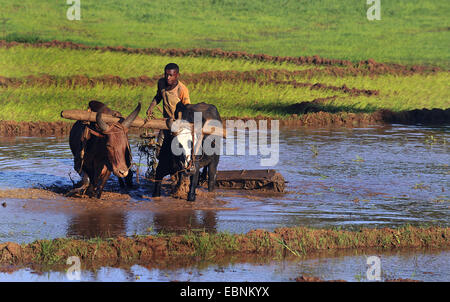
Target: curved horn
{"x":133,"y":115}
{"x":101,"y":124}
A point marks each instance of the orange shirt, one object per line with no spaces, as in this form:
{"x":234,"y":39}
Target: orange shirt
{"x":171,"y":97}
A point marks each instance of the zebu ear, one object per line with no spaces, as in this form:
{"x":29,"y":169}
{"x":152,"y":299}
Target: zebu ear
{"x":133,"y":115}
{"x":101,"y":123}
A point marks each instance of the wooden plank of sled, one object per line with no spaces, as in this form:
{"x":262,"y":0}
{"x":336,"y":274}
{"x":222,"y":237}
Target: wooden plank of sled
{"x":245,"y":174}
{"x":267,"y":180}
{"x":161,"y":123}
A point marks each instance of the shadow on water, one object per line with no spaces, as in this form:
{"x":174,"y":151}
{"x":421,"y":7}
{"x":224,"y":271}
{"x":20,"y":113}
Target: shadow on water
{"x":305,"y":107}
{"x":435,"y":116}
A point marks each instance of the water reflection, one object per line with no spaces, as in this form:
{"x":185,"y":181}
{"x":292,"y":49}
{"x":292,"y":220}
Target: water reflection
{"x":351,"y":266}
{"x":185,"y":220}
{"x":97,"y":223}
{"x":106,"y":223}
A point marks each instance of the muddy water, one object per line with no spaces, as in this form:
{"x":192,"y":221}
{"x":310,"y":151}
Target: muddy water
{"x":427,"y":266}
{"x":380,"y":176}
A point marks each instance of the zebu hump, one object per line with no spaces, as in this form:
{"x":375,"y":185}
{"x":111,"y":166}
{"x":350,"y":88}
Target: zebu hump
{"x":209,"y":112}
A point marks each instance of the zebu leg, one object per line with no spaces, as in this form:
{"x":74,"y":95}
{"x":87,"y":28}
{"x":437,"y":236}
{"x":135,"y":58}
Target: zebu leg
{"x":121,"y":182}
{"x":164,"y":161}
{"x":203,"y":176}
{"x":82,"y":189}
{"x":159,"y":175}
{"x":103,"y":177}
{"x":212,"y":172}
{"x":93,"y":180}
{"x":194,"y":182}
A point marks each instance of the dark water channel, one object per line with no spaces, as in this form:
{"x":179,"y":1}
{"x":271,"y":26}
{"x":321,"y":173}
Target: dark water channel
{"x":374,"y":177}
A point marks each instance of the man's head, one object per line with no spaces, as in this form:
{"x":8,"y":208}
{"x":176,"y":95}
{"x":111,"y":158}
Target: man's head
{"x":171,"y":73}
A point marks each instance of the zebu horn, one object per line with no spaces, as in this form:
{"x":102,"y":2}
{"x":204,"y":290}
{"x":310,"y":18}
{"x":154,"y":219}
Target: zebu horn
{"x":101,"y":124}
{"x":133,"y":115}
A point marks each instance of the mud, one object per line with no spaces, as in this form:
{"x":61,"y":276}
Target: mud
{"x":58,"y":194}
{"x":313,"y":115}
{"x":40,"y":129}
{"x":195,"y":246}
{"x":369,"y":64}
{"x":417,"y":116}
{"x":13,"y":128}
{"x":314,"y":279}
{"x":205,"y":77}
{"x":317,"y":279}
{"x":116,"y":200}
{"x":401,"y":280}
{"x":181,"y":191}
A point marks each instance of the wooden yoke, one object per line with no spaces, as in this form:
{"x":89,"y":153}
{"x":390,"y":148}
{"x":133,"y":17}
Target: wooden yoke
{"x":162,"y":123}
{"x":83,"y":115}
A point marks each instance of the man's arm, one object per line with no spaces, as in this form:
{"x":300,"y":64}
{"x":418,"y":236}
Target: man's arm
{"x":152,"y":105}
{"x":156,"y":100}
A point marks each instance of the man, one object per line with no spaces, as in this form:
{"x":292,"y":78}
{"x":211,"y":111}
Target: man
{"x":171,"y":91}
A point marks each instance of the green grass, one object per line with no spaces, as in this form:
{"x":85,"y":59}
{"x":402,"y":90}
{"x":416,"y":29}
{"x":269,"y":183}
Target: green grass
{"x":396,"y":92}
{"x":238,"y":98}
{"x":20,"y":62}
{"x":298,"y":241}
{"x":409,"y":32}
{"x":36,"y":103}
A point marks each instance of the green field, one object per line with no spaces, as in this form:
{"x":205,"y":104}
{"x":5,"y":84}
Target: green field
{"x":233,"y":98}
{"x":410,"y":32}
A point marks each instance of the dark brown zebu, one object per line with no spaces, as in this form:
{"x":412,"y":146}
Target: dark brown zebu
{"x":98,"y":150}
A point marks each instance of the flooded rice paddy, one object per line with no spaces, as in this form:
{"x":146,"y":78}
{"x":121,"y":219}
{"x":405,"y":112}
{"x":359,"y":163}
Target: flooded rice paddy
{"x":374,"y":177}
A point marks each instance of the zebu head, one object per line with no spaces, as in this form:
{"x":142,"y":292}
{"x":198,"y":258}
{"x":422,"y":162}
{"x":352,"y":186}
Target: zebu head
{"x":117,"y":146}
{"x":184,"y":145}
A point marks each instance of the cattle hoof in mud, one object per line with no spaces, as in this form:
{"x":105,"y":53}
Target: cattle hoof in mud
{"x":191,"y":197}
{"x":78,"y":191}
{"x":157,"y":191}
